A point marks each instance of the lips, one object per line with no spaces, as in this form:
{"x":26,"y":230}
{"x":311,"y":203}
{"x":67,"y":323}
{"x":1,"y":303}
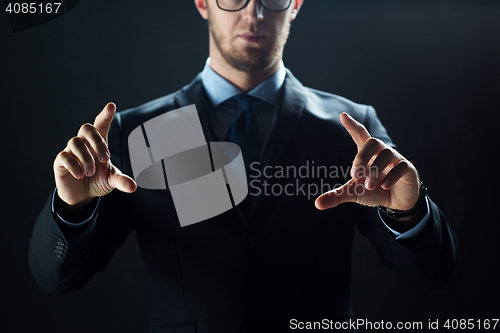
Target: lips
{"x":251,"y":37}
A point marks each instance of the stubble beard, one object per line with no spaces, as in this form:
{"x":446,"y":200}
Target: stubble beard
{"x":256,"y":60}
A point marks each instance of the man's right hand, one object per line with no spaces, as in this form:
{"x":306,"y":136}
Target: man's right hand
{"x":83,"y":170}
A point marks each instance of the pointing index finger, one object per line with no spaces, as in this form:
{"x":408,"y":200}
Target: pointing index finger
{"x":103,"y":120}
{"x":358,"y":132}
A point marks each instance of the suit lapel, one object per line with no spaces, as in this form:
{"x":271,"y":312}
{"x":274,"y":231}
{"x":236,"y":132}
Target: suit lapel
{"x":194,"y":93}
{"x":289,"y":112}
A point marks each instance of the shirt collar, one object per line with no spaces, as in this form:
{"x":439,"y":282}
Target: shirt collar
{"x":220,"y":90}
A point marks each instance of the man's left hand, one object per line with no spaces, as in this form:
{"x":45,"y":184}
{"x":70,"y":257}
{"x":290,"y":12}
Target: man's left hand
{"x":381,"y":176}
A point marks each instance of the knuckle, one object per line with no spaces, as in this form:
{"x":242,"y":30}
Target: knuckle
{"x":92,"y":135}
{"x":59,"y":160}
{"x":374,"y":141}
{"x":68,"y":160}
{"x":386,"y":151}
{"x":369,"y":149}
{"x":86,"y":130}
{"x":385,"y":157}
{"x":63,"y":155}
{"x":404,"y":164}
{"x":75,"y":142}
{"x":86,"y":127}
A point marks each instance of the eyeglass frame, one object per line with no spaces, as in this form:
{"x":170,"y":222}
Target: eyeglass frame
{"x":248,"y":1}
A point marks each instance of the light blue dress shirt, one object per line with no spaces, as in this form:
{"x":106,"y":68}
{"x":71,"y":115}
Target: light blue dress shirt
{"x":220,"y":92}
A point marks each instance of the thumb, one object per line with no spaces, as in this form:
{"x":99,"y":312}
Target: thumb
{"x":333,"y":198}
{"x":121,"y":181}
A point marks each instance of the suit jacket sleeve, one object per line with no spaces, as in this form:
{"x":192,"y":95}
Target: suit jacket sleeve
{"x":427,"y":259}
{"x":63,"y":258}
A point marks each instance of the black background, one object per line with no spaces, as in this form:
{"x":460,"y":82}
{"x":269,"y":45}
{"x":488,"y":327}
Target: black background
{"x":430,"y":68}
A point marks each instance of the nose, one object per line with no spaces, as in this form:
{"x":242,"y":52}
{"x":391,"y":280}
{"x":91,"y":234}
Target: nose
{"x":253,"y":11}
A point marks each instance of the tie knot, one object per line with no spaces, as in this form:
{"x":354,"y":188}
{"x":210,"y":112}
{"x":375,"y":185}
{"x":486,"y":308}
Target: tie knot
{"x":245,"y":102}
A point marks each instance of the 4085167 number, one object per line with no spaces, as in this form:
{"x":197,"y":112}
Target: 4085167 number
{"x":33,"y":8}
{"x":471,"y":324}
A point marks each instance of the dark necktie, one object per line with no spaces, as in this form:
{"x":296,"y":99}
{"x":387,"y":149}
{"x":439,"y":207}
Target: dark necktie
{"x":245,"y":133}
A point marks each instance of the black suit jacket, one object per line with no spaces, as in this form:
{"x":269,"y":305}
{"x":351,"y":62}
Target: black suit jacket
{"x":289,"y":261}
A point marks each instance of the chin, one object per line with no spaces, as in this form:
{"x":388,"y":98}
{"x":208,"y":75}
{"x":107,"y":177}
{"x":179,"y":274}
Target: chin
{"x":252,"y":61}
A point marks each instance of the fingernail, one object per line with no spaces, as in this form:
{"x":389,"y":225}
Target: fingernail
{"x":385,"y":184}
{"x":104,"y":157}
{"x":369,"y":184}
{"x":90,"y":172}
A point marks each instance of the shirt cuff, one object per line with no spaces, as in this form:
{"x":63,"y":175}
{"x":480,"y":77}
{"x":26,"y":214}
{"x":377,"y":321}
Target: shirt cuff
{"x":416,"y":229}
{"x":72,"y":224}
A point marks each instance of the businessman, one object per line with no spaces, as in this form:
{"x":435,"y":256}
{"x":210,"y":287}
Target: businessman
{"x":275,"y":257}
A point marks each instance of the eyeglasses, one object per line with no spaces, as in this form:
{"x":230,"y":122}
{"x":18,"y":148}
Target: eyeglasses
{"x":270,"y":5}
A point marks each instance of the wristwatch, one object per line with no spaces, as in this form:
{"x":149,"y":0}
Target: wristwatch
{"x":397,"y":214}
